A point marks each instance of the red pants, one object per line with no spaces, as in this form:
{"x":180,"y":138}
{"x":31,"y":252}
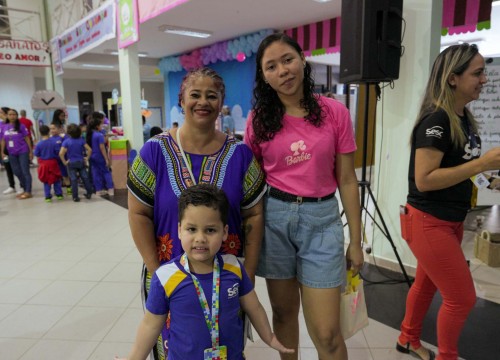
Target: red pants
{"x":442,"y":265}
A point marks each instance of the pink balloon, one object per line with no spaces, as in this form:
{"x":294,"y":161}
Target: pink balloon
{"x":240,"y":56}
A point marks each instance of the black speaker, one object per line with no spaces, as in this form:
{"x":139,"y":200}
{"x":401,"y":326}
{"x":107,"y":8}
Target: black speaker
{"x":370,"y":47}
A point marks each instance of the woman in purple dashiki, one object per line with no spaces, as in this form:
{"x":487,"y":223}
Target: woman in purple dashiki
{"x":194,"y":153}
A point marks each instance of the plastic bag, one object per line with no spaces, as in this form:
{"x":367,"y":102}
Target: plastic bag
{"x":353,"y":313}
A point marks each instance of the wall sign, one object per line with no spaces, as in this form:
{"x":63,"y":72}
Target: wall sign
{"x":24,"y":53}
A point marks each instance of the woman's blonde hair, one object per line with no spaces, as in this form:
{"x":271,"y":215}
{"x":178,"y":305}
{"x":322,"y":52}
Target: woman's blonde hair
{"x":439,"y":92}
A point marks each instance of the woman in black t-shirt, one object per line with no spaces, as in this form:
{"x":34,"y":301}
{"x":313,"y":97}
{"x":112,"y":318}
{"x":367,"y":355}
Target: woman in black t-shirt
{"x":445,"y":150}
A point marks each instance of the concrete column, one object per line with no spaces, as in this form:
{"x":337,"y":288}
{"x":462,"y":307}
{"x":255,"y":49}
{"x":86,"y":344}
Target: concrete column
{"x":52,"y":81}
{"x":396,"y":114}
{"x":130,"y":84}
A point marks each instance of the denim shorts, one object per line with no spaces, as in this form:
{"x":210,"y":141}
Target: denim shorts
{"x":303,"y":241}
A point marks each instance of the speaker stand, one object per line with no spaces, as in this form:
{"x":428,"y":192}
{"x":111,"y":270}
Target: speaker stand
{"x":365,"y":190}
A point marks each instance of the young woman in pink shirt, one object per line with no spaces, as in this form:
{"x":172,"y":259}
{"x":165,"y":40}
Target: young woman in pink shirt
{"x":306,"y":146}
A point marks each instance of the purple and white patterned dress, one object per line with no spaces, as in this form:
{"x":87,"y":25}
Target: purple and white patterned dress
{"x":159,"y":175}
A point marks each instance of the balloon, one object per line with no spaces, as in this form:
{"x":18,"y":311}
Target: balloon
{"x":241,"y":56}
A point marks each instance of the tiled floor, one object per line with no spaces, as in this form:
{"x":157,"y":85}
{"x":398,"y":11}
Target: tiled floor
{"x":69,"y":285}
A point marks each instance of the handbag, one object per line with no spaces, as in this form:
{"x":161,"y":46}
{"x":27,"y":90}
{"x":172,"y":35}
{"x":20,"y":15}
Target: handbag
{"x":353,"y":313}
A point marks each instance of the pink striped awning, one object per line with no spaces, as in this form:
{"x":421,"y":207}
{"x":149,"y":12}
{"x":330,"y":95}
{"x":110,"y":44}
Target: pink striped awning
{"x":462,"y":16}
{"x":322,"y":37}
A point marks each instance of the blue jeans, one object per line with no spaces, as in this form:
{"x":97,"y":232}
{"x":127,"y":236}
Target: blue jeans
{"x":76,"y":168}
{"x":21,"y":168}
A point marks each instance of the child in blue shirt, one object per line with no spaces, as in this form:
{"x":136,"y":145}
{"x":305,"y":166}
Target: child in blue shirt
{"x":48,"y":168}
{"x":75,"y":154}
{"x":99,"y":161}
{"x":202,"y":289}
{"x":57,"y":135}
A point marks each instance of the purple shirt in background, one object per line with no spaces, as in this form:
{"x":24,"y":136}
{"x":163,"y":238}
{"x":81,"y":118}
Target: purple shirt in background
{"x":58,"y":140}
{"x":97,"y":139}
{"x":46,"y":149}
{"x":75,"y":149}
{"x":15,"y":141}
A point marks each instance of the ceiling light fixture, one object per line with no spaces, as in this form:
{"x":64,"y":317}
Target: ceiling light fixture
{"x":115,"y":52}
{"x":322,"y":1}
{"x":462,"y":41}
{"x":97,"y":66}
{"x":185,"y":31}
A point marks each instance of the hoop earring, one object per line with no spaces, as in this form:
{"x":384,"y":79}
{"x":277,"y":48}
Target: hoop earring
{"x":182,"y":111}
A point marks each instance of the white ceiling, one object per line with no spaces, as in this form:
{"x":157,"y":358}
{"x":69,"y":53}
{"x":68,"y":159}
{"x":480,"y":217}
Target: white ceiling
{"x":226,"y":19}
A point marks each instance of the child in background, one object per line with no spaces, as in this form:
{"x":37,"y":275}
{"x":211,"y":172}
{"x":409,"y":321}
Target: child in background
{"x":48,"y":168}
{"x":58,"y":135}
{"x":155,"y":130}
{"x":99,"y":162}
{"x":221,"y":283}
{"x":74,"y":149}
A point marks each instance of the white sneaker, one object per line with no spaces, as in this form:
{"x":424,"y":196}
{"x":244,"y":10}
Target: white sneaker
{"x":19,"y":192}
{"x":111,"y":192}
{"x":9,"y":190}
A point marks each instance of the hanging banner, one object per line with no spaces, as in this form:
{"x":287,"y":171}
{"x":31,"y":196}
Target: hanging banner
{"x":128,"y":23}
{"x":56,"y":56}
{"x":152,"y":8}
{"x":24,"y":53}
{"x":91,"y":31}
{"x":322,"y":37}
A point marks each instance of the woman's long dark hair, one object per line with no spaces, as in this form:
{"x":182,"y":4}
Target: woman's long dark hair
{"x":17,"y":123}
{"x":92,"y":126}
{"x":55,"y":118}
{"x":268,"y":110}
{"x":5,"y":110}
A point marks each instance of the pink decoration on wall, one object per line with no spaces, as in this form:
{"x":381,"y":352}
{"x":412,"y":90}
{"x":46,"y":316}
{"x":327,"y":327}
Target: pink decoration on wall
{"x":241,"y":56}
{"x":462,"y":16}
{"x":322,"y":36}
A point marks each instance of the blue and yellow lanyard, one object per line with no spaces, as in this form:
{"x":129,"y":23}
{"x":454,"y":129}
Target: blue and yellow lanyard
{"x":213,"y":319}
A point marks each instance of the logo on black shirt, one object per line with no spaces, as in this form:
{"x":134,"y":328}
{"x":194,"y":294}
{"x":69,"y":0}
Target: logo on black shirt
{"x":435,"y":131}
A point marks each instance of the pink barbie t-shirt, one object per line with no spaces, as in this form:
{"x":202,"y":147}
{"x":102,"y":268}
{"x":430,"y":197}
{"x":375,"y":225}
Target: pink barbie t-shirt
{"x":300,"y":159}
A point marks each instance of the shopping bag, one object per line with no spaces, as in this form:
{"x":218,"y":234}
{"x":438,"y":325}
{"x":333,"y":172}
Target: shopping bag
{"x":353,"y":313}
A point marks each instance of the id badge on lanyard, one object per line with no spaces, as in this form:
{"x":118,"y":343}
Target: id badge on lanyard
{"x":216,"y":352}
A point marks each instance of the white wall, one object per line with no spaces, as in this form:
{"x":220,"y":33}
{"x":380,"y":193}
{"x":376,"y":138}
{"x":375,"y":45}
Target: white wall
{"x":65,"y":13}
{"x":23,"y":25}
{"x":396,"y":113}
{"x":17,"y":86}
{"x":153,"y":91}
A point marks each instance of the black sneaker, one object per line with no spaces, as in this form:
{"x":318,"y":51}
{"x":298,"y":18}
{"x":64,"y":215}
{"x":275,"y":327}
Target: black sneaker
{"x":88,"y":196}
{"x":77,"y":199}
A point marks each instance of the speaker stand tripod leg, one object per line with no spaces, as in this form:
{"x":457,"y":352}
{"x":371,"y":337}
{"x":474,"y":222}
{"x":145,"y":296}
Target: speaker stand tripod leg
{"x":386,"y":232}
